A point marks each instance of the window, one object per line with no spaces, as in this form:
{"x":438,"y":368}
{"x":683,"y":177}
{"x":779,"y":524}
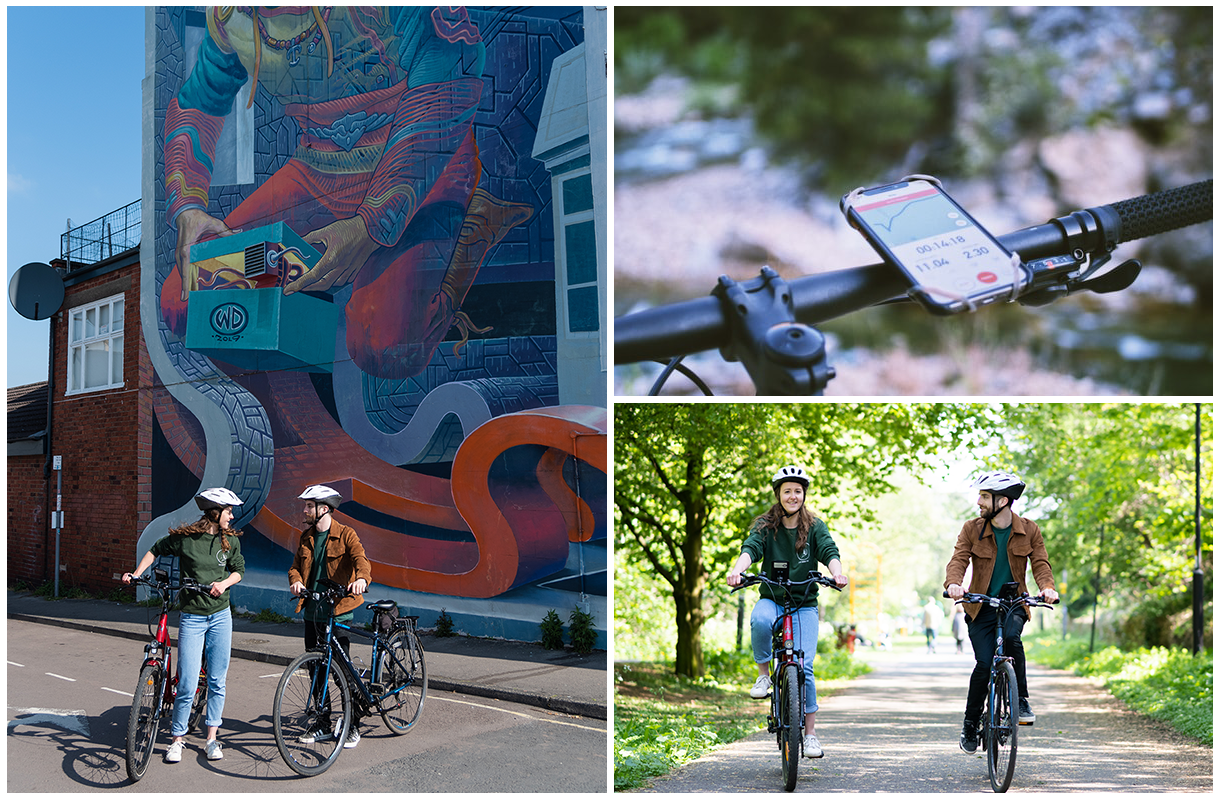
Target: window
{"x":95,"y":346}
{"x":579,"y":256}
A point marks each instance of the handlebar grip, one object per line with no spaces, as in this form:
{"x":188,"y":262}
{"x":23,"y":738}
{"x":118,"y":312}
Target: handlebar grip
{"x":1168,"y":210}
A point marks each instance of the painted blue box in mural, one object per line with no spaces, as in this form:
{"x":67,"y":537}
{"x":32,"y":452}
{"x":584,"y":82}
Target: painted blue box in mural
{"x":365,"y":178}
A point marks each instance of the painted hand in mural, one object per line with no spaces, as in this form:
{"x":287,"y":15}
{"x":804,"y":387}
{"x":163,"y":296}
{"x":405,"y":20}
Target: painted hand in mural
{"x":193,"y":226}
{"x":346,"y":246}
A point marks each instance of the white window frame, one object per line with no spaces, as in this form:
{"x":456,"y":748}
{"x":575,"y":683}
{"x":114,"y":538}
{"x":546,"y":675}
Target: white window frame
{"x":561,"y":242}
{"x":81,"y":341}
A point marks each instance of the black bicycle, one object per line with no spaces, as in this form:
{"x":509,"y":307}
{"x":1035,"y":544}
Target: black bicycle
{"x":787,"y":717}
{"x":158,"y":684}
{"x":322,"y":694}
{"x":998,"y":728}
{"x":768,"y":324}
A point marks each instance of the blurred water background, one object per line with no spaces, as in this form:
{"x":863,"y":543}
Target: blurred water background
{"x":738,"y":129}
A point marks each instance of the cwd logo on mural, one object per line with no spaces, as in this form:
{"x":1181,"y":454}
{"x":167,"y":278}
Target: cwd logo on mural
{"x":229,"y":319}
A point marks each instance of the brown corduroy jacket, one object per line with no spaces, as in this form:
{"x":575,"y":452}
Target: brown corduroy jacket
{"x":976,"y":545}
{"x":345,"y":562}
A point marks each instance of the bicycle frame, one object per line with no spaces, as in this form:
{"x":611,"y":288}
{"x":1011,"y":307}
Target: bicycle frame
{"x":380,"y":653}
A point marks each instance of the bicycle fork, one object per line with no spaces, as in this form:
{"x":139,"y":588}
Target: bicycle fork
{"x":786,"y":653}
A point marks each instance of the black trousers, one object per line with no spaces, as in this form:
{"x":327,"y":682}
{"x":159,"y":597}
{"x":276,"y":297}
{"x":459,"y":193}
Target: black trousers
{"x":982,"y":637}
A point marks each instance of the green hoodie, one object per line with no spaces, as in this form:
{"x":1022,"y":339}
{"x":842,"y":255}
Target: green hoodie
{"x":766,"y":546}
{"x":200,"y":557}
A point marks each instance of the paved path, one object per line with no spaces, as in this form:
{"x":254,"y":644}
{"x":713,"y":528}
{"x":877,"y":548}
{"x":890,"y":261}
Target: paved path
{"x":896,"y":730}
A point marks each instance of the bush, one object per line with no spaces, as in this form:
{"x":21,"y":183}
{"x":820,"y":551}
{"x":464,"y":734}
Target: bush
{"x":444,"y":625}
{"x":581,"y":630}
{"x":552,"y":631}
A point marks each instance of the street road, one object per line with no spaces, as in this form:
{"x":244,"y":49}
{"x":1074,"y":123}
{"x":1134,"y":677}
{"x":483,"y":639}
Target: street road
{"x":896,"y":730}
{"x":69,"y":696}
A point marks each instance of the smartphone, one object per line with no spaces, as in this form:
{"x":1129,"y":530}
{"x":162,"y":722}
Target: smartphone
{"x":953,"y":263}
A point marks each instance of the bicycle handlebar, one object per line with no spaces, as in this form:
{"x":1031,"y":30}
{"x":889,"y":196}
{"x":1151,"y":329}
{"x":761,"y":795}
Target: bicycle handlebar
{"x":692,"y":326}
{"x":1025,"y":599}
{"x":749,"y":579}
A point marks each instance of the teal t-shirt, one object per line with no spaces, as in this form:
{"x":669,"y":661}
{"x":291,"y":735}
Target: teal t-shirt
{"x":766,"y":546}
{"x":1002,"y":572}
{"x":201,"y":557}
{"x":317,"y":612}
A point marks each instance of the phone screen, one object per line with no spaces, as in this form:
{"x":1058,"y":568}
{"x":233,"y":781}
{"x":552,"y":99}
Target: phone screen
{"x":940,"y":247}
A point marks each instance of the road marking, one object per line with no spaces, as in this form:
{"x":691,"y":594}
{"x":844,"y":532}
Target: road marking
{"x":276,"y":675}
{"x":117,"y":691}
{"x":519,"y":714}
{"x":61,"y":677}
{"x":15,"y":664}
{"x":70,"y":720}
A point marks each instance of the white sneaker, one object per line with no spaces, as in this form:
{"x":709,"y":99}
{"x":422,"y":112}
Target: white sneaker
{"x":174,"y":754}
{"x":811,"y":747}
{"x":213,"y":750}
{"x":761,"y":687}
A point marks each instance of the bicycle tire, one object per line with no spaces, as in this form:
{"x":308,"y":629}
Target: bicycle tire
{"x":144,"y":719}
{"x":199,"y":704}
{"x":306,"y":733}
{"x":405,"y":674}
{"x":1002,"y":728}
{"x":792,"y":724}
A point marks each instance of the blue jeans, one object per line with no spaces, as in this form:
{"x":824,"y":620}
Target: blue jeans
{"x":804,"y":631}
{"x":200,"y":638}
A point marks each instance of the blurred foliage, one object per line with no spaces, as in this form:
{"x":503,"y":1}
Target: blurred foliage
{"x":858,"y":93}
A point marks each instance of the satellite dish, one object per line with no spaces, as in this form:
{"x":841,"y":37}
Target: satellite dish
{"x":36,"y":291}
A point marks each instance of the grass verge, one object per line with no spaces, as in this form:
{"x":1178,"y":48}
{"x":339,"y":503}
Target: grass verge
{"x":663,"y":720}
{"x":1170,"y":685}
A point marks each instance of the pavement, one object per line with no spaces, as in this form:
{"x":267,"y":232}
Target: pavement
{"x":518,"y":672}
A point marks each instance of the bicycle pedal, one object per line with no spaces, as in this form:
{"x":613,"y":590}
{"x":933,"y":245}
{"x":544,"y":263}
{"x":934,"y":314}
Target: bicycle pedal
{"x":1025,"y":722}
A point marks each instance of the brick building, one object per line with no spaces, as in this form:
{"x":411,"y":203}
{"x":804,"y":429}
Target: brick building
{"x":98,"y":394}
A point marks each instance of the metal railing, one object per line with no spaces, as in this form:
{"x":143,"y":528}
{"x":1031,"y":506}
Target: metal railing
{"x":102,"y":238}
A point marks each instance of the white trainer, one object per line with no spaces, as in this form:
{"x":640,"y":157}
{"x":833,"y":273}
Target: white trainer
{"x":174,"y":754}
{"x":213,"y":750}
{"x":811,"y":747}
{"x":761,"y":687}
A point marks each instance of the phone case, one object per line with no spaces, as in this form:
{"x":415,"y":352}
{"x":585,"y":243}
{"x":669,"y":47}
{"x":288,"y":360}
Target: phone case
{"x":958,"y":284}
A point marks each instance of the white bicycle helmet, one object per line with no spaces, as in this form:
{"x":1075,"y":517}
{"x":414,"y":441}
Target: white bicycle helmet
{"x":790,"y":473}
{"x":322,"y":494}
{"x":216,"y":498}
{"x":1004,"y":484}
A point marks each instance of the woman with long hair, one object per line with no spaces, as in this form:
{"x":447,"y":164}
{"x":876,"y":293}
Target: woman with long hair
{"x":789,"y":532}
{"x":208,"y":551}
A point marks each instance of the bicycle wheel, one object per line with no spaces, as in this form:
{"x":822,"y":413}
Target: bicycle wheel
{"x":403,"y":672}
{"x":144,"y":719}
{"x":199,"y":704}
{"x":792,"y":724}
{"x":312,"y":714}
{"x":1002,"y":728}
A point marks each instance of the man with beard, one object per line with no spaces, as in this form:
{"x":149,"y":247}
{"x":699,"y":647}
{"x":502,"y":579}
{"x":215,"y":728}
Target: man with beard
{"x":996,"y":529}
{"x":332,"y":550}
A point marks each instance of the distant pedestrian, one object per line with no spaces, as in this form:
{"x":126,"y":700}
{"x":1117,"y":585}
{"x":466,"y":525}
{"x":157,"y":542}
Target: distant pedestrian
{"x":959,"y":628}
{"x":205,"y":554}
{"x":933,"y":615}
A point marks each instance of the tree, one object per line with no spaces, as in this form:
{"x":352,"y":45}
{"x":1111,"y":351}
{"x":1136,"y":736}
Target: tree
{"x":1115,"y":483}
{"x":690,"y":477}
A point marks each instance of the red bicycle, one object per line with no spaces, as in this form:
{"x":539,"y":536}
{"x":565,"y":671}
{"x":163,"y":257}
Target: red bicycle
{"x":158,"y":684}
{"x":787,"y":717}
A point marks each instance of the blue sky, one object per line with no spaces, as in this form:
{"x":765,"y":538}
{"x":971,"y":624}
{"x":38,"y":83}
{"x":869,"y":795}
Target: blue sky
{"x":73,"y":140}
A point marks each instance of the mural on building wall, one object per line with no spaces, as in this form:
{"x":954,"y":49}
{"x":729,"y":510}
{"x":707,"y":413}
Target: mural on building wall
{"x":355,"y":286}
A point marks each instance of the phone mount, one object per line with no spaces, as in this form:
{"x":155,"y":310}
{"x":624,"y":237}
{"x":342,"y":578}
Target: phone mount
{"x":782,"y":356}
